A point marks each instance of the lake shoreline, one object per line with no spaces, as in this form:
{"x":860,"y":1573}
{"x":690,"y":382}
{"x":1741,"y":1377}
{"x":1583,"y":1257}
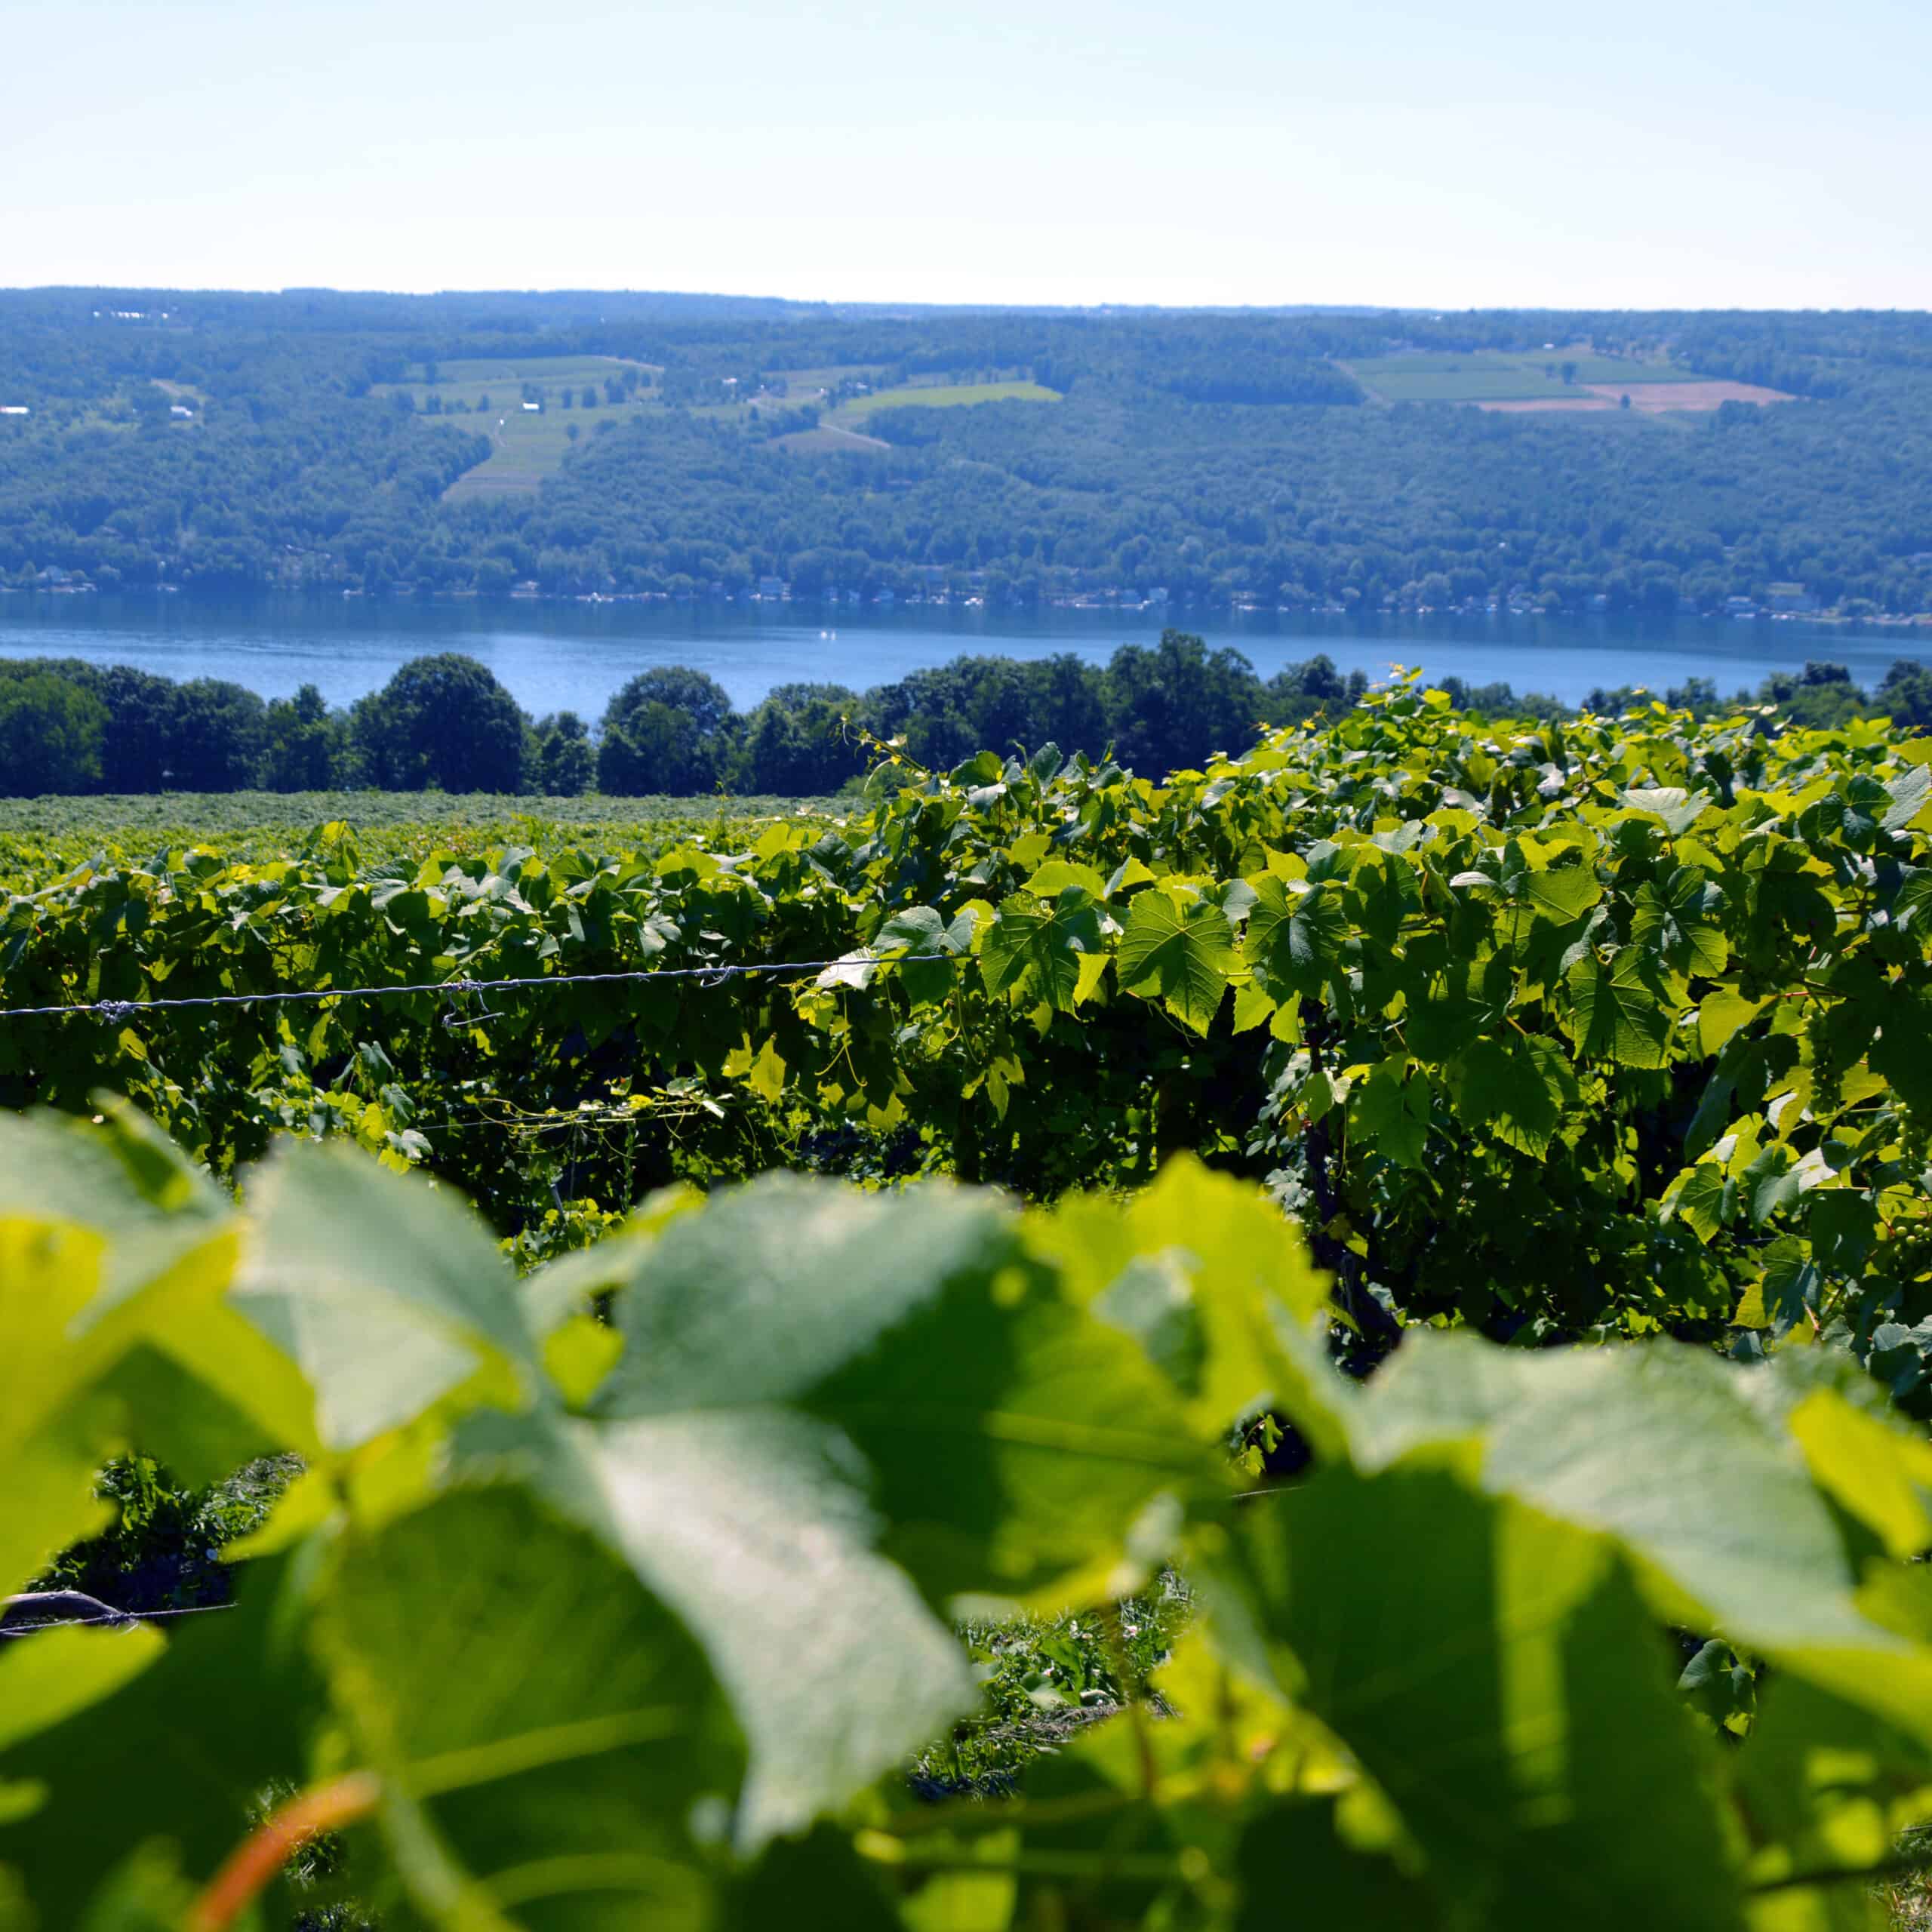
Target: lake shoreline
{"x":1090,"y":604}
{"x":568,"y":653}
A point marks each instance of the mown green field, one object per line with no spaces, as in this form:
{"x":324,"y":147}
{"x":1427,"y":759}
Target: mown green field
{"x":1491,"y":378}
{"x":42,"y":839}
{"x":941,"y":395}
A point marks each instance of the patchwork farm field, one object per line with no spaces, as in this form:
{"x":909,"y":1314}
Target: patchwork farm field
{"x":580,"y":393}
{"x":841,"y":427}
{"x":1568,"y":379}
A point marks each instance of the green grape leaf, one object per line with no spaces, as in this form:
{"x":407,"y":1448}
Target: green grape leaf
{"x":918,"y":929}
{"x":1516,"y":1701}
{"x":389,"y":1295}
{"x":1600,"y":1438}
{"x":1390,"y":1111}
{"x":1296,"y":1849}
{"x":920,"y":935}
{"x":826,"y":1399}
{"x":53,"y":1169}
{"x":1679,"y":810}
{"x":1516,"y":1087}
{"x":1911,"y":907}
{"x":1720,"y":1016}
{"x":1901,"y":1053}
{"x":548,"y":1764}
{"x":118,"y":1334}
{"x":755,"y":1526}
{"x":1771,"y":1184}
{"x":1563,"y":893}
{"x":1057,"y":875}
{"x":1675,"y":921}
{"x":770,"y":1288}
{"x":63,"y":1671}
{"x":819,"y":1883}
{"x":1036,"y":955}
{"x":1829,"y":1787}
{"x":1704,"y":1202}
{"x":1908,"y":794}
{"x":1294,"y":934}
{"x":1200,"y":1268}
{"x":1382,"y":893}
{"x":1183,"y":957}
{"x":1618,"y":1011}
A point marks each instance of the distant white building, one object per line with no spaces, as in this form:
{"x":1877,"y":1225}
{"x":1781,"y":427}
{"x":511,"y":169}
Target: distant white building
{"x":180,"y":409}
{"x":533,"y":408}
{"x":14,"y":409}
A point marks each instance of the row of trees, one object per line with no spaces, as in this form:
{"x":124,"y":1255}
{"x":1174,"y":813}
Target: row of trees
{"x":70,"y":727}
{"x":444,"y":723}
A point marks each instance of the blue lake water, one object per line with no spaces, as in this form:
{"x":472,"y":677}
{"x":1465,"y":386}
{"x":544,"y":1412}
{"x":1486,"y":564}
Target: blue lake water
{"x":556,"y":657}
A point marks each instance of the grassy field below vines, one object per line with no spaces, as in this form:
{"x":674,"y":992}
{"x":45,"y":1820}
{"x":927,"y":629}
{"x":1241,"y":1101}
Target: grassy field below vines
{"x":41,"y":838}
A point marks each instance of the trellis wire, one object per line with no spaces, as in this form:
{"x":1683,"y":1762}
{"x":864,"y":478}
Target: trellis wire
{"x":118,"y":1011}
{"x":120,"y":1618}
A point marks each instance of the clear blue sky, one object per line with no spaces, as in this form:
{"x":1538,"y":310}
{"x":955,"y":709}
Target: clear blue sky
{"x":1631,"y":152}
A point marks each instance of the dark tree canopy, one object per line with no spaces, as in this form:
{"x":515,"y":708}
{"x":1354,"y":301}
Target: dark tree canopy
{"x":216,"y":737}
{"x":566,"y":762}
{"x":445,"y":721}
{"x":1181,"y":700}
{"x":442,"y":721}
{"x":52,"y":731}
{"x":143,"y":711}
{"x":703,"y":699}
{"x":671,"y":730}
{"x":306,"y":746}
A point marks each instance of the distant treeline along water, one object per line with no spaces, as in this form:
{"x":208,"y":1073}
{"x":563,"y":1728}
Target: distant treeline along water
{"x":443,"y":722}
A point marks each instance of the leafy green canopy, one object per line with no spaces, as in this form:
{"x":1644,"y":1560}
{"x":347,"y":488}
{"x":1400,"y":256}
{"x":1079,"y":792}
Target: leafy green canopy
{"x":574,"y":1623}
{"x":1610,"y":1026}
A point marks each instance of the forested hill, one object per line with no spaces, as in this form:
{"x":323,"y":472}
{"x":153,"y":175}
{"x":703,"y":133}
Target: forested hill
{"x":588,"y":443}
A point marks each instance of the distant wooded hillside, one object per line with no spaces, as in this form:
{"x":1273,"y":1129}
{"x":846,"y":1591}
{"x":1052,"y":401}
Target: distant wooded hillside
{"x":623,"y":444}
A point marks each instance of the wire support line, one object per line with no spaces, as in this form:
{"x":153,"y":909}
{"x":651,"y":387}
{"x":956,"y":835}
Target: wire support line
{"x":118,"y":1619}
{"x":119,"y":1010}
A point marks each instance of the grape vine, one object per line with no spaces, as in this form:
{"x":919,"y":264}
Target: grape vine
{"x":615,"y":1593}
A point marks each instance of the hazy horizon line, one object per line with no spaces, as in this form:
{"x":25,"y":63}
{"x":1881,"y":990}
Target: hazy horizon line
{"x":888,"y":308}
